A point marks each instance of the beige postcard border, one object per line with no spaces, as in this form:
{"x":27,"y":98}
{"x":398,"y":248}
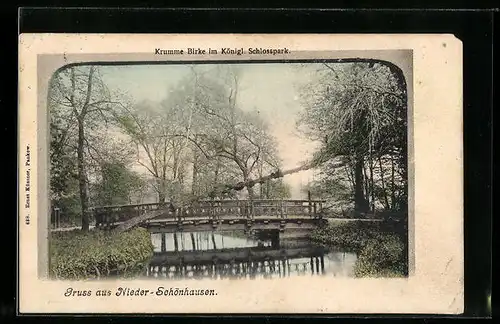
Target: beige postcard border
{"x":434,"y":81}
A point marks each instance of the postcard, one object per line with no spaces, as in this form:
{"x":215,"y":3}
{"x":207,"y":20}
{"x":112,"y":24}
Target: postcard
{"x":231,"y":173}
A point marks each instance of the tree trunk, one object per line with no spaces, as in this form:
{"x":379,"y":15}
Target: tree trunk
{"x":161,"y":197}
{"x":268,"y":189}
{"x":215,"y":194}
{"x":366,"y":179}
{"x":372,"y":184}
{"x":261,"y":187}
{"x":393,"y":185}
{"x":194,"y":185}
{"x":382,"y":181}
{"x":161,"y":190}
{"x":251,"y":194}
{"x":348,"y":171}
{"x":82,"y":178}
{"x":359,"y":198}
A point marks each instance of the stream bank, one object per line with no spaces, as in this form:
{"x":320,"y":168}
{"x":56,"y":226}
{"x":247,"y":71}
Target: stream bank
{"x":381,"y":247}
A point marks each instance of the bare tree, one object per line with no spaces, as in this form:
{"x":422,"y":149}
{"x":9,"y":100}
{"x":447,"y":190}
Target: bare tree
{"x":226,"y":130}
{"x":149,"y":131}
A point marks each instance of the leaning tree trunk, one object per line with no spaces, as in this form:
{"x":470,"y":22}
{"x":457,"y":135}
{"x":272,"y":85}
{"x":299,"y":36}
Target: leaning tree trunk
{"x":82,"y":179}
{"x":225,"y":188}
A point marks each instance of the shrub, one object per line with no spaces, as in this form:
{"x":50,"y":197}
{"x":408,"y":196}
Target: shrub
{"x":95,"y":254}
{"x":380,"y":252}
{"x":351,"y":235}
{"x":382,"y":256}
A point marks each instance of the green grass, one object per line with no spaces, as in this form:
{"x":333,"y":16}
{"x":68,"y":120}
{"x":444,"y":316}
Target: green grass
{"x":96,"y":254}
{"x":380,"y":250}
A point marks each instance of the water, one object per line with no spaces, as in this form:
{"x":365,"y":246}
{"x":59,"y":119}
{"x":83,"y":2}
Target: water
{"x":203,"y":241}
{"x":220,"y":255}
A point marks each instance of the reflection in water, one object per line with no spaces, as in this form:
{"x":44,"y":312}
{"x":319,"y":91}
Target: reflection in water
{"x":202,"y":241}
{"x":226,"y":256}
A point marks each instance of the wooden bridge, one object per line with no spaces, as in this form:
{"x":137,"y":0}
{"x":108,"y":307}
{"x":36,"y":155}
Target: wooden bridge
{"x":217,"y":214}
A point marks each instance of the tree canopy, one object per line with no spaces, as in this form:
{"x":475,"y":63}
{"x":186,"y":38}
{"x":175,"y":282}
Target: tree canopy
{"x":201,"y":142}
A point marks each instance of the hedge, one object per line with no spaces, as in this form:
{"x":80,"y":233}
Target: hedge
{"x":78,"y":255}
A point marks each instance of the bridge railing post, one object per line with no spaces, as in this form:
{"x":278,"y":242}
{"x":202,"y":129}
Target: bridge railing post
{"x":98,"y":218}
{"x":56,"y":217}
{"x":217,"y":210}
{"x":310,"y":202}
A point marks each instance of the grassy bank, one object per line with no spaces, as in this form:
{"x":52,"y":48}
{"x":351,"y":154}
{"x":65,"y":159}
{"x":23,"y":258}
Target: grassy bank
{"x":97,"y":254}
{"x":380,"y":247}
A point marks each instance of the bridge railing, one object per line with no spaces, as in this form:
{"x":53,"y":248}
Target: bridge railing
{"x":211,"y":209}
{"x":108,"y":215}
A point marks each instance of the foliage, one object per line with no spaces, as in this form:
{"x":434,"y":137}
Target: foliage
{"x":381,"y":253}
{"x":62,"y":158}
{"x":333,"y":189}
{"x":201,"y":139}
{"x":69,"y":205}
{"x":275,"y":189}
{"x":117,"y":185}
{"x":79,"y":103}
{"x":381,"y":256}
{"x":357,"y":111}
{"x":351,"y":235}
{"x":78,"y":255}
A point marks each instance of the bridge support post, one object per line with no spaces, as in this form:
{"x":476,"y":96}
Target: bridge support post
{"x":213,"y":241}
{"x":163,"y":242}
{"x":176,"y":243}
{"x":275,"y":239}
{"x":193,"y":242}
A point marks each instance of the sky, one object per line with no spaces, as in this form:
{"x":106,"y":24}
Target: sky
{"x":269,"y":88}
